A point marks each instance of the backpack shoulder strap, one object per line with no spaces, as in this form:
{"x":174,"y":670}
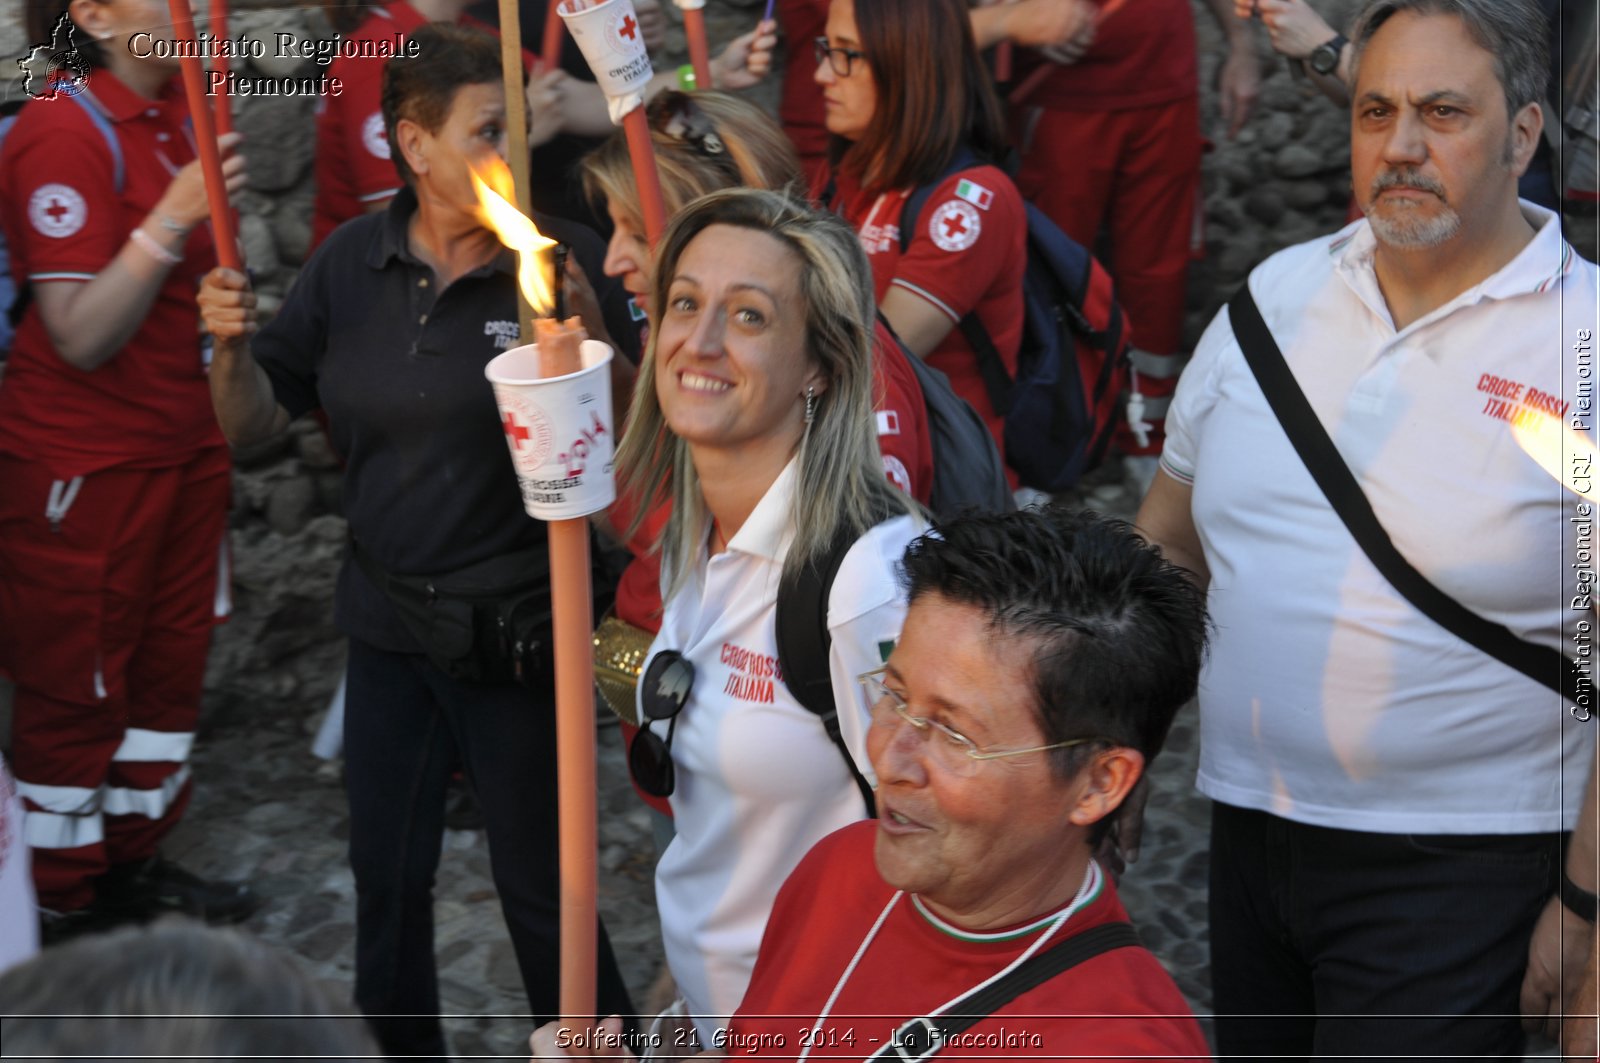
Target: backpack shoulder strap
{"x":1321,"y":457}
{"x":103,"y":124}
{"x":919,"y":1038}
{"x":803,"y":645}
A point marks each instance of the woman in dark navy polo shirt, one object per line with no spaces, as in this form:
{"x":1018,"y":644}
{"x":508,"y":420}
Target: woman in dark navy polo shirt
{"x":388,"y":330}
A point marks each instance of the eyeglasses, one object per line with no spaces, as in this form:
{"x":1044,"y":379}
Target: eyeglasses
{"x":840,"y":59}
{"x":950,"y":749}
{"x":675,"y":114}
{"x":663,"y":692}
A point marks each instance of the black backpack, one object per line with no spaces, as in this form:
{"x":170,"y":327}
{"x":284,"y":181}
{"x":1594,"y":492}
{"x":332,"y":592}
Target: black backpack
{"x":1072,"y":367}
{"x":968,"y":474}
{"x":803,"y":644}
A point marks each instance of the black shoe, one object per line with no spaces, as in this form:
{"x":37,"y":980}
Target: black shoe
{"x":150,"y":888}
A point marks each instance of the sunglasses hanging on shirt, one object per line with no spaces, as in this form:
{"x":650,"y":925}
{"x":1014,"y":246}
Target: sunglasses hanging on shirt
{"x":663,"y":692}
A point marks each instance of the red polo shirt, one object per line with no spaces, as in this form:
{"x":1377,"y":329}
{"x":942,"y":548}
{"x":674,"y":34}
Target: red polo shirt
{"x":967,"y":255}
{"x":64,"y":221}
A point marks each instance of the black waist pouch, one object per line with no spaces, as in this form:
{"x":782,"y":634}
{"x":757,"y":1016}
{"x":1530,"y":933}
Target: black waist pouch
{"x":486,"y":623}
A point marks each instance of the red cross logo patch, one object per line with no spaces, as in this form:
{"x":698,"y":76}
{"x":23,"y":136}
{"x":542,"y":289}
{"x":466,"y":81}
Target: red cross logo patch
{"x":955,"y":226}
{"x":57,"y":211}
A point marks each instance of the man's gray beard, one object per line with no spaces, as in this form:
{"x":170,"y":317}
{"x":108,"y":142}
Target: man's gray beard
{"x":1406,"y":230}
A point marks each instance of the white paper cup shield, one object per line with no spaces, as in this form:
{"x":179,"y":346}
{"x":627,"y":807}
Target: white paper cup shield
{"x":558,"y":429}
{"x":612,"y":43}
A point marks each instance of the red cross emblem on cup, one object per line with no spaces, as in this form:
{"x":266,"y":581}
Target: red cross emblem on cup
{"x":527,"y":430}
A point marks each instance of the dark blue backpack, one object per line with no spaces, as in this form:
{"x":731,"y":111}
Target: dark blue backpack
{"x":1072,"y":367}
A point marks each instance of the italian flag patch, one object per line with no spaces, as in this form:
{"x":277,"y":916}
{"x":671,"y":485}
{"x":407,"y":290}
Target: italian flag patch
{"x":975,"y":194}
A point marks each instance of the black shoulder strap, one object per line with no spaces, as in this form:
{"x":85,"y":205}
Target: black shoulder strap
{"x":1300,"y":423}
{"x":918,"y":1038}
{"x":996,"y":381}
{"x":803,"y":644}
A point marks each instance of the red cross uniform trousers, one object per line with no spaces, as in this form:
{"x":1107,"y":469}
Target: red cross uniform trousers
{"x":114,"y":487}
{"x":1111,"y":152}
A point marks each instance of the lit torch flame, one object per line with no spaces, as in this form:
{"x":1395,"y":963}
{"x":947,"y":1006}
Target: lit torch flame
{"x":491,"y":179}
{"x":1560,"y":450}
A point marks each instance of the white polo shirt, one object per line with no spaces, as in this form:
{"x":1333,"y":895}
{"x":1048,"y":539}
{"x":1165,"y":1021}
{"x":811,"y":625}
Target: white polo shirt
{"x":758,"y":781}
{"x":1327,"y":698}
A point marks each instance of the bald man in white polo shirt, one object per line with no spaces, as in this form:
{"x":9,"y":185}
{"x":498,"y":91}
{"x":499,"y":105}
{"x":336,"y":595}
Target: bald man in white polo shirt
{"x":1390,"y":800}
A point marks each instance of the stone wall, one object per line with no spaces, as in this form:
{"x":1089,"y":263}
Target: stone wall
{"x":1283,"y":180}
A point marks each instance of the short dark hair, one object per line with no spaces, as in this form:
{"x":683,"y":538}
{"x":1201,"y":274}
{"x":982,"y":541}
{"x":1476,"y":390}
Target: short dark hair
{"x":1515,"y":33}
{"x":40,"y":18}
{"x":1120,"y":630}
{"x":422,"y":87}
{"x":174,"y":989}
{"x":934,"y":95}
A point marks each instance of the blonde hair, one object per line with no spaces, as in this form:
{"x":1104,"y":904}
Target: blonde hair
{"x":841,"y":485}
{"x":755,"y":154}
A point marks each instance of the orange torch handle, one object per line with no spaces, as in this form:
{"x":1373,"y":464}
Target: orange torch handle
{"x":205,"y":136}
{"x":550,"y":52}
{"x":694,"y":31}
{"x":643,"y":155}
{"x":573,"y":614}
{"x":219,"y":30}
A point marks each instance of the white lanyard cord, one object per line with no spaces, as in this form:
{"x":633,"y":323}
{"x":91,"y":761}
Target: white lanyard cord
{"x":1086,"y":892}
{"x":838,"y":986}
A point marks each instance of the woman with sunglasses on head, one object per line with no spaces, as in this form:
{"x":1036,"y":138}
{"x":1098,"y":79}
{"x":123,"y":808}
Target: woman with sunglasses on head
{"x":703,"y":143}
{"x":909,"y":105}
{"x":753,"y":421}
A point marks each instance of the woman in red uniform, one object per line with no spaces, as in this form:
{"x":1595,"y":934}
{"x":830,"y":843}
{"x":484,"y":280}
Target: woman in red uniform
{"x":909,"y":104}
{"x":114,"y":479}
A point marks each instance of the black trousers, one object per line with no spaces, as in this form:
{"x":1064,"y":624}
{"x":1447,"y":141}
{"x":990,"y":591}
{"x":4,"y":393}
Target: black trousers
{"x":1336,"y":943}
{"x":407,"y":725}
